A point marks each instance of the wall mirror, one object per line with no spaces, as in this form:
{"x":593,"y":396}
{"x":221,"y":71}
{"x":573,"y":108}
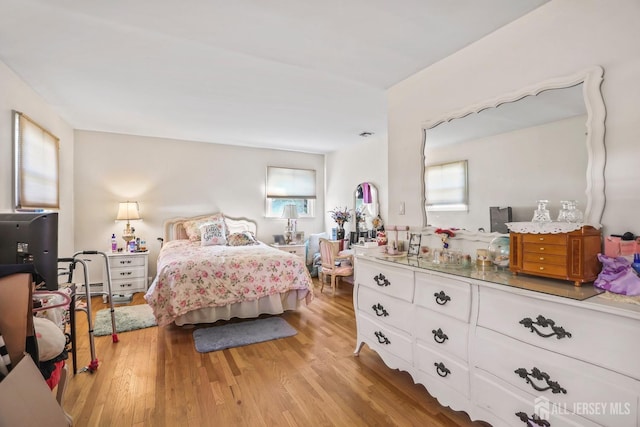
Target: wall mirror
{"x":541,"y":142}
{"x":366,"y":200}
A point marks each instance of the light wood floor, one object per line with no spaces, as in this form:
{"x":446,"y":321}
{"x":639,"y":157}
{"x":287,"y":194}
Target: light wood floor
{"x":155,"y":377}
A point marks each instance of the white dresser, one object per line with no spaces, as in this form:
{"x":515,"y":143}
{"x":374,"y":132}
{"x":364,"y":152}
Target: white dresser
{"x":129,"y":273}
{"x":504,"y":355}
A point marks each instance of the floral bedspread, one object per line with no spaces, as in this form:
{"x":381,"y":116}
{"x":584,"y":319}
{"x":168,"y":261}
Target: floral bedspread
{"x":191,"y":276}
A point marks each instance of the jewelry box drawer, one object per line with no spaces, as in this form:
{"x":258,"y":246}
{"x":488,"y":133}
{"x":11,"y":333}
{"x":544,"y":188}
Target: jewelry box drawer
{"x":443,"y":295}
{"x":385,"y":309}
{"x":545,"y":249}
{"x":543,"y":268}
{"x":394,"y":281}
{"x":546,"y":259}
{"x":547,"y":239}
{"x":386,"y":338}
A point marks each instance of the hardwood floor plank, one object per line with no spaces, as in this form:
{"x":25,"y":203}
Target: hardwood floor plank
{"x":155,"y":377}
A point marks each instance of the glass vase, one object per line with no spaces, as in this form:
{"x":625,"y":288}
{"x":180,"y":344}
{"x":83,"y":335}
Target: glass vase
{"x":542,"y":213}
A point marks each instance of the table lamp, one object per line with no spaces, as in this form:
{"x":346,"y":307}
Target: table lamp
{"x":128,"y":211}
{"x":289,"y":212}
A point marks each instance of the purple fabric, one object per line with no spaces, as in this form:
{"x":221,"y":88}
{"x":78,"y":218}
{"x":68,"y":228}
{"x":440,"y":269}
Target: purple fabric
{"x":366,"y":193}
{"x":617,"y":276}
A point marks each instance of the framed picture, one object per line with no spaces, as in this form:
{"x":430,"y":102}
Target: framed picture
{"x":278,"y":239}
{"x":299,"y":237}
{"x":414,"y":244}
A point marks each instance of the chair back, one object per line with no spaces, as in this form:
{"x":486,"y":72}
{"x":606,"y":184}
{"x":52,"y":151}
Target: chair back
{"x":328,"y":252}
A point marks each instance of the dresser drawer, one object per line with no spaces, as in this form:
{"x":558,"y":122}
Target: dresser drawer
{"x":545,"y":258}
{"x":128,"y":285}
{"x":548,"y":239}
{"x":443,"y":295}
{"x":543,"y":268}
{"x":385,"y":338}
{"x":566,"y":382}
{"x":505,"y":401}
{"x":441,"y":332}
{"x":443,"y":368}
{"x":126,"y":261}
{"x":385,"y":309}
{"x":600,"y":338}
{"x":394,"y":281}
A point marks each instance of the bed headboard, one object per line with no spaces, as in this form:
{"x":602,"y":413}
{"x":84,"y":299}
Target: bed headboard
{"x":174,"y":230}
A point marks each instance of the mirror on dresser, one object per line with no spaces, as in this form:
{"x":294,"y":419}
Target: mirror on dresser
{"x":545,"y":141}
{"x":366,"y":201}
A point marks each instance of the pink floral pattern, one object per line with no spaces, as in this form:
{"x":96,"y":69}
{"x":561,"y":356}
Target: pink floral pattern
{"x":191,"y":276}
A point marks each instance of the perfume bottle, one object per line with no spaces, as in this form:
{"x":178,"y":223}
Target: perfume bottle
{"x":636,"y":263}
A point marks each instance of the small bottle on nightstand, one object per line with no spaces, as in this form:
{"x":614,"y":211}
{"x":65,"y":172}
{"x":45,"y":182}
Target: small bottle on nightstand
{"x":114,"y":243}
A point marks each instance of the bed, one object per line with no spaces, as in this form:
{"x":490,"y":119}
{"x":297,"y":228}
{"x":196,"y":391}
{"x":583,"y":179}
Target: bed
{"x":198,"y":283}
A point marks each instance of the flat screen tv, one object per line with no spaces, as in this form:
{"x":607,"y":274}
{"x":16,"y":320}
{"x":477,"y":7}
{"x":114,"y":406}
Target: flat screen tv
{"x":31,"y":238}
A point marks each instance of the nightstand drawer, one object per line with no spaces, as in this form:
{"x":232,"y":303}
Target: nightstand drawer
{"x":129,"y":285}
{"x":127,"y":261}
{"x":127,"y":273}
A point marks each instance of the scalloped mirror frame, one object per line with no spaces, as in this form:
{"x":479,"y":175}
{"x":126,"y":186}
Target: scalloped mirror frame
{"x":596,"y":113}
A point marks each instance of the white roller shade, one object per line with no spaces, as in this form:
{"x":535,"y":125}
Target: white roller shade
{"x":286,"y":183}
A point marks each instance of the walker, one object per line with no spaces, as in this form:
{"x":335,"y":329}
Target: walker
{"x":93,"y":364}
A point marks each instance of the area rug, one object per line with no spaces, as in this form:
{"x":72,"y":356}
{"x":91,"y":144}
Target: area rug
{"x":243,"y":333}
{"x":128,"y":318}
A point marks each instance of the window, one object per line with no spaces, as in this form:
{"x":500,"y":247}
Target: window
{"x":36,"y":165}
{"x":290,"y":186}
{"x":447,"y":187}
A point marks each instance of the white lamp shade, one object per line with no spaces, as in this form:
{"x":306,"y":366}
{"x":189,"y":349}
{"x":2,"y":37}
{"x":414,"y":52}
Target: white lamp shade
{"x":128,"y":211}
{"x":290,"y":212}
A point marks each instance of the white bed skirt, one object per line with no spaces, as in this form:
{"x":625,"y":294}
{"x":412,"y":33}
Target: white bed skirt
{"x":273,"y":304}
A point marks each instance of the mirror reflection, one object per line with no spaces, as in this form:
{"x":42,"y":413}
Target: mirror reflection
{"x":527,"y":148}
{"x":366,"y":202}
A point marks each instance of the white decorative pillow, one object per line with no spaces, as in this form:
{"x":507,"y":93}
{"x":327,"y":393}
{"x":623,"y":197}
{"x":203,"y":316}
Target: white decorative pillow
{"x":213,"y":233}
{"x":192,"y":228}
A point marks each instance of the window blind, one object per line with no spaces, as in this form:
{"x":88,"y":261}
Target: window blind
{"x":36,"y":165}
{"x":286,"y":183}
{"x":447,"y":187}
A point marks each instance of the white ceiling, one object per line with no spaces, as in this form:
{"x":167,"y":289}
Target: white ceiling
{"x":289,"y":74}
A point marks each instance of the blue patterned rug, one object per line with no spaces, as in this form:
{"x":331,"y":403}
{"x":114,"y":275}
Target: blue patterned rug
{"x":238,"y":334}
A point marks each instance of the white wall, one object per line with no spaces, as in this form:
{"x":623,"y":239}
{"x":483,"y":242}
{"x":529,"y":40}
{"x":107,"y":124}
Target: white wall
{"x":558,"y":39}
{"x":365,"y":162}
{"x":172,"y":178}
{"x":516,"y":169}
{"x":16,"y":95}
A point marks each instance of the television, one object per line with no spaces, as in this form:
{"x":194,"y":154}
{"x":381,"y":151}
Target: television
{"x":27,"y":237}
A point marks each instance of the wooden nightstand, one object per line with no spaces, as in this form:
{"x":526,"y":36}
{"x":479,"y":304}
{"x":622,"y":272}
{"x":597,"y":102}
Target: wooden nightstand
{"x":292,"y":249}
{"x":129,"y":271}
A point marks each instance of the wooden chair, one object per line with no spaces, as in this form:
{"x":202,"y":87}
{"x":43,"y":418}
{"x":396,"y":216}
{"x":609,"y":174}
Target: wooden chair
{"x":333,"y":264}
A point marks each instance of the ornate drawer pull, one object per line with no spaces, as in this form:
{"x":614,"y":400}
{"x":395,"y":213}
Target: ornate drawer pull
{"x":381,"y":280}
{"x":439,"y":336}
{"x":381,"y":338}
{"x":380,"y":311}
{"x":442,"y":298}
{"x":533,"y":420}
{"x":540,"y":376}
{"x":441,"y":369}
{"x":125,"y":262}
{"x":125,"y":273}
{"x":544,"y":322}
